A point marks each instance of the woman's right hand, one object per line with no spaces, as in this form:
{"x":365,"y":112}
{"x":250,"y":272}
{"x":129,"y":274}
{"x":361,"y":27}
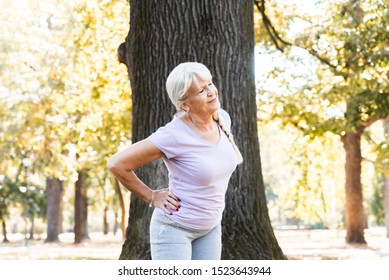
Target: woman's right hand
{"x":165,"y":200}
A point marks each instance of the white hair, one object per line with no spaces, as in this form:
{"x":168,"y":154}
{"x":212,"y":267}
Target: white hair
{"x":178,"y":83}
{"x":180,"y":79}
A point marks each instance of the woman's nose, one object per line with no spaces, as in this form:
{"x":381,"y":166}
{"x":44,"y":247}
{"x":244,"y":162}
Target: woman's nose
{"x":210,"y":91}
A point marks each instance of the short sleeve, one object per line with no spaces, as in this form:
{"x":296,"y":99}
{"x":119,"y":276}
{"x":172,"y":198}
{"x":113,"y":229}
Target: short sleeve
{"x":165,"y":140}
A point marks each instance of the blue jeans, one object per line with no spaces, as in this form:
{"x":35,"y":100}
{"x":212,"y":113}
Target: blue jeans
{"x":171,"y":241}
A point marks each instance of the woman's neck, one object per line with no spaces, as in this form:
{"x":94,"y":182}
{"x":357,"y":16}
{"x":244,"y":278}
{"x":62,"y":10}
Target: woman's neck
{"x":203,"y":124}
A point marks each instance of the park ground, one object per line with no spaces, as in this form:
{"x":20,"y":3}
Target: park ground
{"x":297,"y":244}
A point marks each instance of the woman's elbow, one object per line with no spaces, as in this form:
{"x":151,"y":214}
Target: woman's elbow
{"x":118,"y":166}
{"x":112,"y":164}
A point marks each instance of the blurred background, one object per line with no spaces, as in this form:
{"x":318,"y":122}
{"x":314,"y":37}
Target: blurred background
{"x":65,"y":107}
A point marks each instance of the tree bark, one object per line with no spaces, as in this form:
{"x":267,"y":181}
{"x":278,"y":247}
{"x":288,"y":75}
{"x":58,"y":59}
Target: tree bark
{"x":355,"y":218}
{"x":54,"y":211}
{"x":80,"y":209}
{"x":219,"y":34}
{"x":386,"y":180}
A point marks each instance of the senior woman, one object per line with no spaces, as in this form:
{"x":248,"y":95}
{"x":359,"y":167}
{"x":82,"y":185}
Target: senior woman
{"x":199,"y":152}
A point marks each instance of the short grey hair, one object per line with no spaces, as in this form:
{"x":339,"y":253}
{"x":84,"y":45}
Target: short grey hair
{"x":181,"y":78}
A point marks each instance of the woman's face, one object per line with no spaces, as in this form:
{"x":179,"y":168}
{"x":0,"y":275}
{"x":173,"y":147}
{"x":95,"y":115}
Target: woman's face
{"x":203,"y":97}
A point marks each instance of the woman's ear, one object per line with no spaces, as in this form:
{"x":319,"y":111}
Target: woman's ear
{"x":184,"y":106}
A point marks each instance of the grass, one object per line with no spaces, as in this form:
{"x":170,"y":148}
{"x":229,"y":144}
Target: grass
{"x":331,"y":245}
{"x":98,"y":247}
{"x":296,"y":244}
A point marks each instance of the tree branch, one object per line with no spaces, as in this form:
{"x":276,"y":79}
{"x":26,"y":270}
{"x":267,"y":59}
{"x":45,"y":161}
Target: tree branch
{"x":370,"y":121}
{"x":268,"y":24}
{"x":277,"y":39}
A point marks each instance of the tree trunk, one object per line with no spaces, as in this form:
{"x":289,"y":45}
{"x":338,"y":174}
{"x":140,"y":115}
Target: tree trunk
{"x":4,"y":229}
{"x":220,"y":35}
{"x":54,"y":211}
{"x":85,"y":202}
{"x":80,"y":201}
{"x":386,"y":180}
{"x":105,"y":221}
{"x":122,"y":207}
{"x":116,"y":223}
{"x":355,"y":218}
{"x":32,"y":229}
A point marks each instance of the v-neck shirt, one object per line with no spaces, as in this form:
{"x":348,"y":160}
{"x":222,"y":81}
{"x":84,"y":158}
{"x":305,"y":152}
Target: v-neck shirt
{"x":199,"y":171}
{"x":198,"y":135}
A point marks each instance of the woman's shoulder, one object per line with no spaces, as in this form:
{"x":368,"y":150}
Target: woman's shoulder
{"x":173,"y":125}
{"x":169,"y":130}
{"x":224,"y":113}
{"x":165,"y":138}
{"x":225,"y":117}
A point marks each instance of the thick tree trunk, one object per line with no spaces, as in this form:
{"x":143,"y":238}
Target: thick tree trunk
{"x":4,"y":229}
{"x":220,"y":35}
{"x":386,"y":180}
{"x":54,"y":211}
{"x":355,"y":218}
{"x":80,"y":209}
{"x":122,"y":208}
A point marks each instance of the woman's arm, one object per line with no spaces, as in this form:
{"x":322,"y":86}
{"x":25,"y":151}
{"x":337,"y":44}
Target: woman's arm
{"x":122,"y":165}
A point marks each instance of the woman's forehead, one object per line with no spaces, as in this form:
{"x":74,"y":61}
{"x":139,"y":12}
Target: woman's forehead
{"x":199,"y":82}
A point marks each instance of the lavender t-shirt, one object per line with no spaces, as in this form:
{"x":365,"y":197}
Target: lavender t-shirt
{"x":199,"y":171}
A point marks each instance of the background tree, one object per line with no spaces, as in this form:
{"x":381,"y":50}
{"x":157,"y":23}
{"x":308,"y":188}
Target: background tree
{"x":119,"y":199}
{"x":80,"y":209}
{"x":162,"y":35}
{"x":62,"y":94}
{"x":9,"y":193}
{"x":33,"y":204}
{"x":349,"y":91}
{"x":102,"y":116}
{"x":384,"y":158}
{"x":54,"y":209}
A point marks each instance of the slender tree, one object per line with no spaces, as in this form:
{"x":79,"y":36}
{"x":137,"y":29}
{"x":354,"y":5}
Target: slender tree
{"x":220,"y":35}
{"x":120,"y":199}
